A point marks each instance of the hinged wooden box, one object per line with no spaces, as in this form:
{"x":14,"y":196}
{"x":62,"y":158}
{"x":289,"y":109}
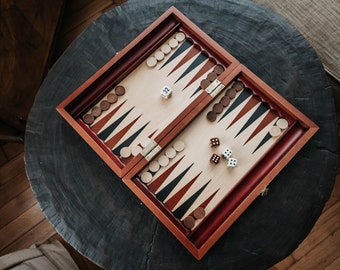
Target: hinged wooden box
{"x":192,"y":132}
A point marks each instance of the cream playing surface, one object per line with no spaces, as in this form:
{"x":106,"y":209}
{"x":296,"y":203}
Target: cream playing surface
{"x":142,"y":112}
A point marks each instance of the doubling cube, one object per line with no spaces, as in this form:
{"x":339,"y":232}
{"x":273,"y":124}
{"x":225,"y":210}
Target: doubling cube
{"x":214,"y":142}
{"x":232,"y":162}
{"x":215,"y":159}
{"x":227,"y":153}
{"x":166,"y":92}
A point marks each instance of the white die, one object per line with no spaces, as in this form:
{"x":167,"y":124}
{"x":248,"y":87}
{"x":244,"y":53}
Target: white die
{"x":232,"y":162}
{"x":166,"y":92}
{"x":227,"y":153}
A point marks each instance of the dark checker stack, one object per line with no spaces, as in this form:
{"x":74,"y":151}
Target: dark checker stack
{"x":100,"y":217}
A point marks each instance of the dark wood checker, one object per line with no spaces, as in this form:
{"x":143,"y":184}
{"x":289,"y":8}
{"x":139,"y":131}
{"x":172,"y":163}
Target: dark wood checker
{"x":123,"y":208}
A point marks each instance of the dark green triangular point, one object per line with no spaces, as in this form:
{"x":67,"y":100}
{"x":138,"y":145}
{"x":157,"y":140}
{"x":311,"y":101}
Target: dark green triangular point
{"x":242,"y":97}
{"x":196,"y":91}
{"x":129,"y":140}
{"x":180,"y":211}
{"x":164,"y":193}
{"x":264,"y":140}
{"x":199,"y":60}
{"x":258,"y":112}
{"x":185,"y":45}
{"x":106,"y":132}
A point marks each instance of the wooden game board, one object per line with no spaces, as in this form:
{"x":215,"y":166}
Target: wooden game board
{"x":160,"y":144}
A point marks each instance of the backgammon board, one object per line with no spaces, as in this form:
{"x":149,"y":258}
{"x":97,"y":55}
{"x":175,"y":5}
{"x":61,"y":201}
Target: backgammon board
{"x":191,"y":131}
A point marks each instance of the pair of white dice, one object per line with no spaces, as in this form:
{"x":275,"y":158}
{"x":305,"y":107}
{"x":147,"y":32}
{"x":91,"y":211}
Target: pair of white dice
{"x":232,"y":162}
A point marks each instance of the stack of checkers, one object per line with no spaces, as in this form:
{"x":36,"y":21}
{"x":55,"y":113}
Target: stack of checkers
{"x":224,"y":102}
{"x":189,"y":221}
{"x":127,"y":151}
{"x":163,"y":160}
{"x":165,"y":49}
{"x":212,"y":76}
{"x":104,"y":105}
{"x":280,"y":125}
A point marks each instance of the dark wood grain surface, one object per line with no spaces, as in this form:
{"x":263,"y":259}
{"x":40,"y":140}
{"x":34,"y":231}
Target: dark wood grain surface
{"x":100,"y":217}
{"x":26,"y":35}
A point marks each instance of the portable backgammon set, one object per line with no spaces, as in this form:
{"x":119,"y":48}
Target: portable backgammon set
{"x":191,"y":131}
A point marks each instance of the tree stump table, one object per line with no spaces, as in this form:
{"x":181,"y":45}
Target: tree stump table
{"x":100,"y":217}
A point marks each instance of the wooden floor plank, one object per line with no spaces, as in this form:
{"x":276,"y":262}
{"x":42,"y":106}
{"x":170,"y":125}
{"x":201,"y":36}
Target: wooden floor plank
{"x":16,"y":207}
{"x":81,"y":14}
{"x":68,"y":37}
{"x":327,"y":224}
{"x":3,"y":157}
{"x":336,"y":188}
{"x":284,"y":264}
{"x":78,"y":17}
{"x":38,"y":234}
{"x":322,"y":255}
{"x":13,"y":149}
{"x":334,"y":265}
{"x":27,"y":32}
{"x":75,"y":5}
{"x":20,"y":226}
{"x":12,"y":168}
{"x":335,"y":194}
{"x":13,"y":188}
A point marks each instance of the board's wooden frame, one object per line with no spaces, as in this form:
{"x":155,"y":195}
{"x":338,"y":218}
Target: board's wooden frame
{"x":203,"y":238}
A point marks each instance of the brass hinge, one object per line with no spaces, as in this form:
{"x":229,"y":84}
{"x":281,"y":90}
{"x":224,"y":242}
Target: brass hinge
{"x":151,"y":150}
{"x":215,"y":88}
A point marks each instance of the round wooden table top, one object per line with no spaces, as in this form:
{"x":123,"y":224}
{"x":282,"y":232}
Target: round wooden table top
{"x":98,"y":215}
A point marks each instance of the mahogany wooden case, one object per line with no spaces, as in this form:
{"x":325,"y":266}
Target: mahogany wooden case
{"x":171,"y":171}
